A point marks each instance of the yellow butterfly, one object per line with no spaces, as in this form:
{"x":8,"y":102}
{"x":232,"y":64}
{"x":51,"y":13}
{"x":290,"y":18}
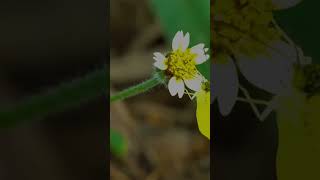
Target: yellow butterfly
{"x":203,"y":109}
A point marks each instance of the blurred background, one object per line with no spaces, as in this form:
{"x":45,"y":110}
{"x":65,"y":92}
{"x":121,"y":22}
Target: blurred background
{"x":162,"y":133}
{"x":42,"y":44}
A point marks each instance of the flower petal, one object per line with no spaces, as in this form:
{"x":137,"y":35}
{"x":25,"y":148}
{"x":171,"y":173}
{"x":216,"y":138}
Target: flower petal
{"x":195,"y":83}
{"x":284,"y":4}
{"x":272,"y":72}
{"x":159,"y":56}
{"x":201,"y":59}
{"x":176,"y":86}
{"x":160,"y":65}
{"x":285,"y":50}
{"x":177,"y":40}
{"x":160,"y":61}
{"x":225,"y":85}
{"x":180,"y":88}
{"x":200,"y":51}
{"x":185,"y":42}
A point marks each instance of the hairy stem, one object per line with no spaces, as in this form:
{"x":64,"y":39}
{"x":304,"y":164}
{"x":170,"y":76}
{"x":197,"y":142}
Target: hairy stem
{"x":67,"y":95}
{"x":137,"y":89}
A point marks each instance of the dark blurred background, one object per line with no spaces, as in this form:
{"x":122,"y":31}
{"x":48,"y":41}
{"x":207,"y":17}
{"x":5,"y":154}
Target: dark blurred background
{"x":42,"y":44}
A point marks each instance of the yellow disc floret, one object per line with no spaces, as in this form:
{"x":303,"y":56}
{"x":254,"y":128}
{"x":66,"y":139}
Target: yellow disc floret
{"x":181,"y":64}
{"x":243,"y":26}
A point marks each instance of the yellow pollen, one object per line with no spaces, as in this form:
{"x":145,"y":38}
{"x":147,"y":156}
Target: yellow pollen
{"x":182,"y":65}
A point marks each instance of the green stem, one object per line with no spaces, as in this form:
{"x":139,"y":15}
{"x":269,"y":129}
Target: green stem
{"x":67,"y":95}
{"x":137,"y":89}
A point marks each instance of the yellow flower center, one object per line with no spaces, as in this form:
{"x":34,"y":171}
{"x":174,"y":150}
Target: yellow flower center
{"x":181,"y":65}
{"x":243,"y":26}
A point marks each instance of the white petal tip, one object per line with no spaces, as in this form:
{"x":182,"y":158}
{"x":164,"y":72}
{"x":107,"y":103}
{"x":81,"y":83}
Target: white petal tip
{"x":176,"y":87}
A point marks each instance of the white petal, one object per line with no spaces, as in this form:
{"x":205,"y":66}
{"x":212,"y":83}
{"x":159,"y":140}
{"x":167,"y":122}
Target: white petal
{"x":180,"y":89}
{"x":177,"y":40}
{"x":285,"y":50}
{"x":186,"y":41}
{"x":304,"y":60}
{"x":194,"y":84}
{"x":285,"y":4}
{"x":159,"y":56}
{"x":225,"y":85}
{"x":273,"y":72}
{"x":176,"y":86}
{"x":160,"y":61}
{"x":198,"y":49}
{"x":160,"y":65}
{"x":201,"y":59}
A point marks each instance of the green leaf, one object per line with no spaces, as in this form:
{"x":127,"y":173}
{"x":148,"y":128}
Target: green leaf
{"x":118,"y":144}
{"x":191,"y":16}
{"x":300,"y":22}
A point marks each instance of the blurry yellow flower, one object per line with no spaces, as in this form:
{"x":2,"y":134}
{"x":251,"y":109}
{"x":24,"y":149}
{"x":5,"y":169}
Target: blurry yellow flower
{"x":203,"y":109}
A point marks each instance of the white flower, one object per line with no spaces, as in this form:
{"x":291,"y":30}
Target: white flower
{"x":247,"y":43}
{"x":180,"y":64}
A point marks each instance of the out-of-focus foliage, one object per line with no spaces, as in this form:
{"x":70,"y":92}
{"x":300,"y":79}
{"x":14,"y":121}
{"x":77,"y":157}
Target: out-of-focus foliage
{"x":301,"y":25}
{"x":118,"y":144}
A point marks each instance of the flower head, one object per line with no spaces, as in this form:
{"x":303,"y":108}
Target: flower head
{"x":180,"y":64}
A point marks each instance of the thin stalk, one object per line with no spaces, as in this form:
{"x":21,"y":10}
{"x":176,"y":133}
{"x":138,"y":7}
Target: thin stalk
{"x":256,"y":101}
{"x":137,"y":89}
{"x":67,"y":95}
